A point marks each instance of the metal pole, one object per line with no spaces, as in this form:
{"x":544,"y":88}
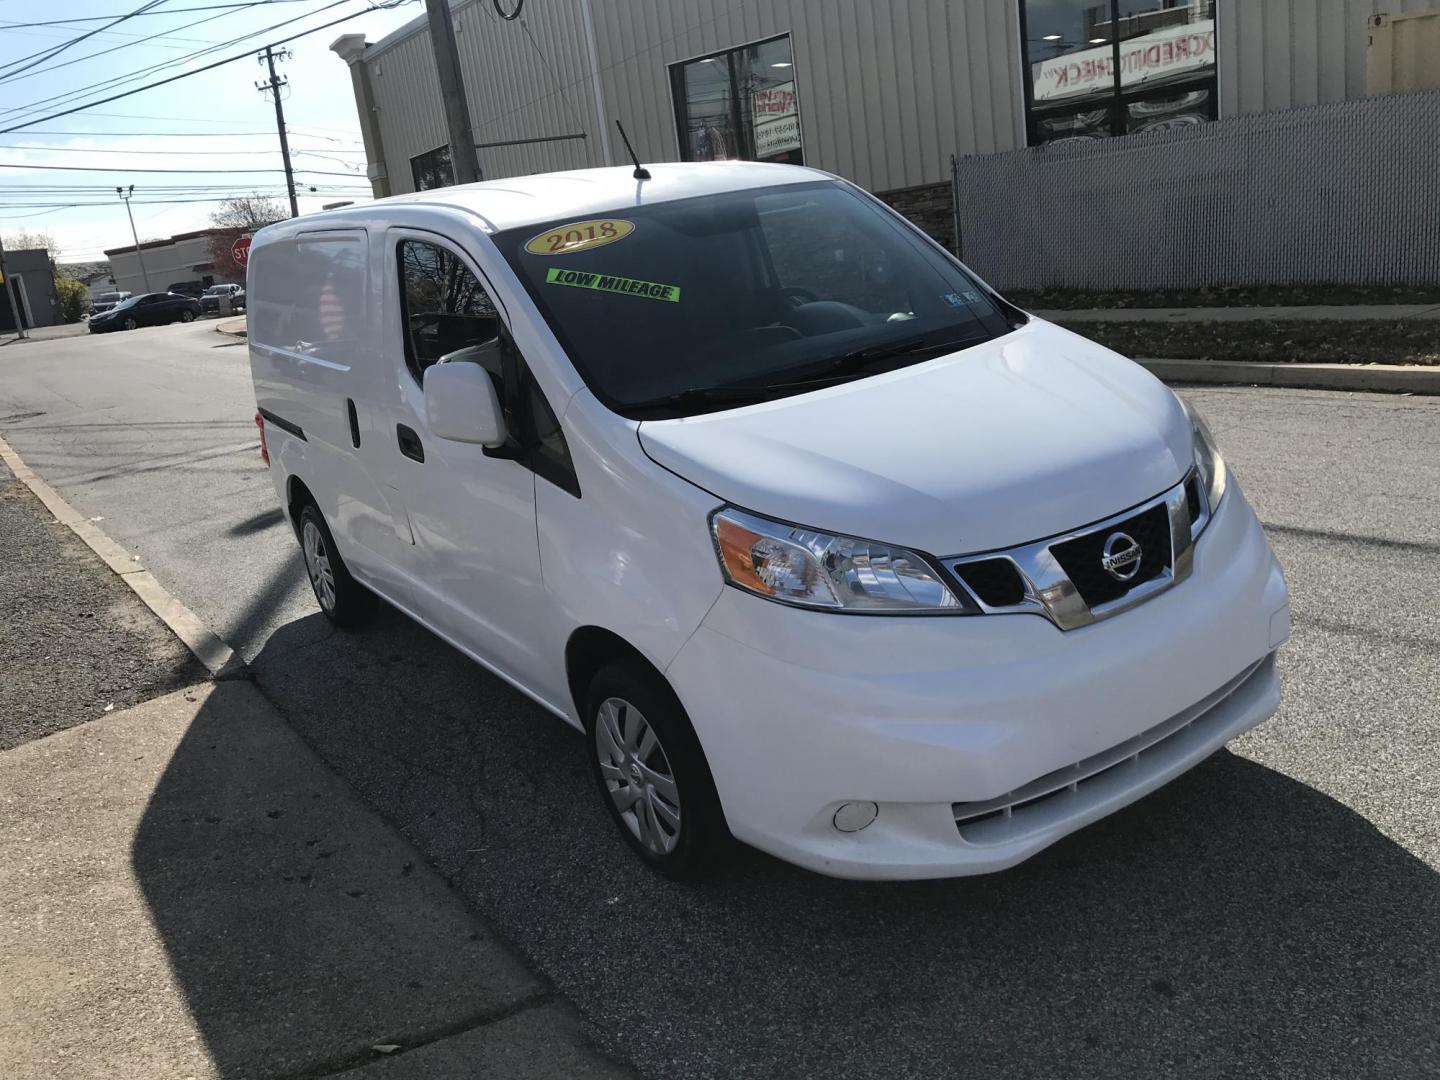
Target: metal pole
{"x":125,"y":197}
{"x":21,"y":333}
{"x":463,"y":163}
{"x":274,"y":86}
{"x":596,"y":88}
{"x":955,"y":203}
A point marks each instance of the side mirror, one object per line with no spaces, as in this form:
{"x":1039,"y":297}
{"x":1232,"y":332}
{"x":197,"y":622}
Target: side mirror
{"x":461,"y":405}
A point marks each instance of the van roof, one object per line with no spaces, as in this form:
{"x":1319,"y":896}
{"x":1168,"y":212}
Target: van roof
{"x":525,"y":200}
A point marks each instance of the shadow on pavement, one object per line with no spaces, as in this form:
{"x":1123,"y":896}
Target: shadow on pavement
{"x":1236,"y":922}
{"x":300,"y":929}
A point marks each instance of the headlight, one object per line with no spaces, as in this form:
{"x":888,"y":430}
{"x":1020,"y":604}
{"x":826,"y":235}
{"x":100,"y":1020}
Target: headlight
{"x":802,"y":566}
{"x":1208,"y":461}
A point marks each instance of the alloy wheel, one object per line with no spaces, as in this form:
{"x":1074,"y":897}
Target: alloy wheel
{"x":130,"y":324}
{"x":317,"y":565}
{"x":637,"y":775}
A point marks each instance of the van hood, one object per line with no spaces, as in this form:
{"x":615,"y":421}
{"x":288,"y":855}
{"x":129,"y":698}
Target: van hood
{"x":1023,"y":437}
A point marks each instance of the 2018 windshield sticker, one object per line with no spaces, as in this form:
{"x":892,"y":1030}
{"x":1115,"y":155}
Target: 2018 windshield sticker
{"x":579,"y":236}
{"x":610,"y":283}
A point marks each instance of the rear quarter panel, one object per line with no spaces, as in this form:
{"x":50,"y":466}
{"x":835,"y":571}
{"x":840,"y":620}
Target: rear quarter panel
{"x":310,"y":332}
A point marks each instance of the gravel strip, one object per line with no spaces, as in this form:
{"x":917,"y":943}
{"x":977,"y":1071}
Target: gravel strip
{"x":75,"y":642}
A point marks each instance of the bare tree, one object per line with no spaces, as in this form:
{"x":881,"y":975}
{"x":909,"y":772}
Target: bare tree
{"x":235,"y":218}
{"x":29,"y":241}
{"x":247,"y":212}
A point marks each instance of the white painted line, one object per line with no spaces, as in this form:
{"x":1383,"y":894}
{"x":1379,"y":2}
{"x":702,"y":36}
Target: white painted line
{"x":211,"y":650}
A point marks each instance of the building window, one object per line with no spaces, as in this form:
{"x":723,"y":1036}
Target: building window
{"x":739,"y":105}
{"x":1098,"y":68}
{"x":432,"y":169}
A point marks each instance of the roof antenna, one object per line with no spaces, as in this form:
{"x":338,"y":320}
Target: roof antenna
{"x":640,"y":173}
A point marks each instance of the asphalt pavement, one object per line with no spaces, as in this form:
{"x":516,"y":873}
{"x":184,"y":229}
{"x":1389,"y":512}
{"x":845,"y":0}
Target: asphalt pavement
{"x":1276,"y":912}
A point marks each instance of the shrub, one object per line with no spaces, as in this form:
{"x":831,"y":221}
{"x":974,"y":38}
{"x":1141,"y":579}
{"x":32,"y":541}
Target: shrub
{"x":72,"y":296}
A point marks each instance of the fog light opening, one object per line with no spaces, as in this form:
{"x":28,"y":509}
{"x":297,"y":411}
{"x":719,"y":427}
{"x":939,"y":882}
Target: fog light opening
{"x":854,"y":816}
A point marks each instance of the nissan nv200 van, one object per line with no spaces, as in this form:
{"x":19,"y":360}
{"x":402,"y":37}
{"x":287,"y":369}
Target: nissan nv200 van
{"x":823,"y":545}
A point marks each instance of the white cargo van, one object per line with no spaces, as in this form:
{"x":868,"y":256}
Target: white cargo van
{"x":824,"y":545}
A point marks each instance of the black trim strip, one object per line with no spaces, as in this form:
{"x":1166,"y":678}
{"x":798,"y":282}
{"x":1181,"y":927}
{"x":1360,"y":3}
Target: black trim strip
{"x":284,"y":425}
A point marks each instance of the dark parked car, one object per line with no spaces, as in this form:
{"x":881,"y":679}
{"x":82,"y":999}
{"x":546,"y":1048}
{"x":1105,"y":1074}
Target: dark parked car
{"x":147,"y":309}
{"x":210,"y":299}
{"x":187,"y":288}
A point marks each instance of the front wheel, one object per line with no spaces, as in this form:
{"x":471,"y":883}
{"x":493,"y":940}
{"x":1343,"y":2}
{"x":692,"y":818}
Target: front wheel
{"x":187,"y":316}
{"x":129,"y":324}
{"x":652,"y":772}
{"x":342,"y":599}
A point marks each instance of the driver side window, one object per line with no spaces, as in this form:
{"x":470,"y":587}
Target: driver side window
{"x":446,"y":311}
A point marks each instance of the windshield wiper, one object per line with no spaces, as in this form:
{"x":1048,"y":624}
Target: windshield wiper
{"x":860,"y":359}
{"x":832,"y":373}
{"x":703,"y":395}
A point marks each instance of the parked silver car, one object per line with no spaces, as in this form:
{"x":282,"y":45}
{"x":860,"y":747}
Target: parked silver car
{"x":210,"y":298}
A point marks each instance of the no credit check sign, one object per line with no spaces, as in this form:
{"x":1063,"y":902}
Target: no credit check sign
{"x":610,"y":283}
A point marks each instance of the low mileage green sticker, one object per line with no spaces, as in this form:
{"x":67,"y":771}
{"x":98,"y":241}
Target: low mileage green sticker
{"x":578,"y":279}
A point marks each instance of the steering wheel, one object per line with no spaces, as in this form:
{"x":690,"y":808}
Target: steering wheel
{"x":798,"y":295}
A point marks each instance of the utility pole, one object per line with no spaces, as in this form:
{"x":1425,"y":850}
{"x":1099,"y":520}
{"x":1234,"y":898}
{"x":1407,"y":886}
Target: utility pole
{"x":463,"y":163}
{"x":125,"y":198}
{"x":273,"y":86}
{"x":21,"y":333}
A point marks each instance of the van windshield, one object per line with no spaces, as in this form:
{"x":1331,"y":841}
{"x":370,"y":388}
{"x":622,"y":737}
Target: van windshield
{"x":708,"y":303}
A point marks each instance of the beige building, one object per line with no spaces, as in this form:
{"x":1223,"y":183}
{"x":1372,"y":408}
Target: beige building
{"x":160,"y":265}
{"x":879,"y":91}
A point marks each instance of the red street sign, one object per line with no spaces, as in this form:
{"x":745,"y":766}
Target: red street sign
{"x":240,"y":250}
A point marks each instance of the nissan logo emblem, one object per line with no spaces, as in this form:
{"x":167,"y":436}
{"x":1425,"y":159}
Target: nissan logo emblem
{"x":1121,"y":556}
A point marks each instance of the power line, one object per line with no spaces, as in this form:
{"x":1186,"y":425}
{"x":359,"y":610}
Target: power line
{"x":233,"y":152}
{"x":183,"y":135}
{"x":186,"y":74}
{"x":46,"y":54}
{"x":131,"y":44}
{"x":104,"y":84}
{"x":147,"y":169}
{"x":170,"y":11}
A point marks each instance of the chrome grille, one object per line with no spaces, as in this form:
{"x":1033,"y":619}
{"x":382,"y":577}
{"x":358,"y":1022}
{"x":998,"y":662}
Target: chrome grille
{"x":1062,"y":577}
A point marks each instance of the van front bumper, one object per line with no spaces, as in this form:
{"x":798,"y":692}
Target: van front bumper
{"x":981,"y":739}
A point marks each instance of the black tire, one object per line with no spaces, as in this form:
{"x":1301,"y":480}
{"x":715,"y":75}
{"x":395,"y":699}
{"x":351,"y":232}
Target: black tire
{"x":702,"y":841}
{"x":346,"y":602}
{"x":129,"y":324}
{"x":187,"y":315}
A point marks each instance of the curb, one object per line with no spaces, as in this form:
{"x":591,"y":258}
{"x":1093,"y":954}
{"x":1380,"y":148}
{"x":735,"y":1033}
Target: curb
{"x":218,"y":657}
{"x":229,"y":327}
{"x":1382,"y":378}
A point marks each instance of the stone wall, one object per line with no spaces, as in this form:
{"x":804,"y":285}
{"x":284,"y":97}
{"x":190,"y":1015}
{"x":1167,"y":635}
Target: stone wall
{"x":929,"y":206}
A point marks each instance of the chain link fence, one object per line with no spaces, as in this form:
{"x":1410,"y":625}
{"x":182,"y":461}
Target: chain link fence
{"x":1347,"y":194}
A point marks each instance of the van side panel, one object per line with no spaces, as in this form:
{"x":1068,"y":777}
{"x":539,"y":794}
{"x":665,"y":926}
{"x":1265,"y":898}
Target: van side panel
{"x":312,"y":334}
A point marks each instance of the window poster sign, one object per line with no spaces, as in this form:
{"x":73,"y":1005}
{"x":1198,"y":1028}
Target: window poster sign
{"x":776,"y":121}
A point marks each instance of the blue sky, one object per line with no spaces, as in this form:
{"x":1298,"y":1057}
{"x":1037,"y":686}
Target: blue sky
{"x":216,"y":121}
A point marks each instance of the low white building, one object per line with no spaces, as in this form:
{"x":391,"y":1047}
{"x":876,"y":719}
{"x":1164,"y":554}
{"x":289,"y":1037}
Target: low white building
{"x":160,"y":265}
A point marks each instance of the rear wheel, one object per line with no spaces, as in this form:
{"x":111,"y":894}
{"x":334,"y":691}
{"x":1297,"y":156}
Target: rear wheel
{"x":652,"y":772}
{"x":342,"y":599}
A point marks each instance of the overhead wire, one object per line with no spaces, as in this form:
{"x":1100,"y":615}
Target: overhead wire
{"x":119,"y":80}
{"x":196,"y":71}
{"x":132,"y":44}
{"x":45,"y":54}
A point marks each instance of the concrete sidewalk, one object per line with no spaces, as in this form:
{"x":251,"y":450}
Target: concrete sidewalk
{"x":1316,"y":313}
{"x":190,"y":892}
